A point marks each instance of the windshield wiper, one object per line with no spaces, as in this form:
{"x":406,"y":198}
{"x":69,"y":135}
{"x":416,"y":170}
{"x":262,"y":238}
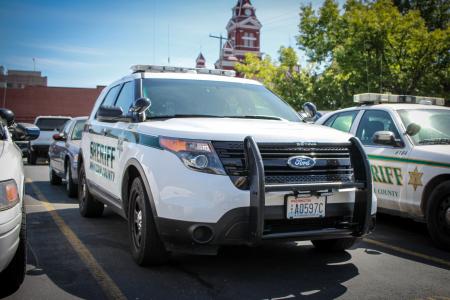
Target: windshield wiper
{"x":263,"y":117}
{"x":182,"y":116}
{"x":437,"y":141}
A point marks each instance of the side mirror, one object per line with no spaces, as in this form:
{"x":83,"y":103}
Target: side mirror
{"x":310,"y":109}
{"x":140,"y":106}
{"x":8,"y":116}
{"x":25,"y":132}
{"x":109,"y":114}
{"x":413,"y":129}
{"x":59,"y":137}
{"x":386,"y":138}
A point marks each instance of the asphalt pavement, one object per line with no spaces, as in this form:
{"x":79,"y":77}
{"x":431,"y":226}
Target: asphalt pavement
{"x":70,"y":257}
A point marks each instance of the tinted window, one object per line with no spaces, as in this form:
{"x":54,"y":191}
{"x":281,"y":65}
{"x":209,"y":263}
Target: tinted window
{"x":215,"y":98}
{"x":111,"y":96}
{"x":126,"y":97}
{"x":67,"y":127}
{"x":78,"y":130}
{"x":373,"y":121}
{"x":50,"y":124}
{"x":344,"y":121}
{"x":330,"y":120}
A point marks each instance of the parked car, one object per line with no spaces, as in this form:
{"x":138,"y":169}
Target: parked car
{"x":196,"y":159}
{"x":13,"y":246}
{"x":63,"y":155}
{"x":408,"y":146}
{"x":48,"y":125}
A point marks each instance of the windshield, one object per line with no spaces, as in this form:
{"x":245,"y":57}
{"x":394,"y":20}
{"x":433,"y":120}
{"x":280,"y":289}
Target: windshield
{"x":173,"y":97}
{"x":434,"y":125}
{"x":50,"y":124}
{"x":78,"y":130}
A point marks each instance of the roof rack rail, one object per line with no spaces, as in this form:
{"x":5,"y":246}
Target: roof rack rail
{"x":170,"y":69}
{"x":376,"y":98}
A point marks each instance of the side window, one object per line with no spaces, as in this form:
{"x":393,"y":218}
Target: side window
{"x":66,"y":128}
{"x":126,"y":97}
{"x":342,"y":121}
{"x":373,"y":121}
{"x":111,"y":96}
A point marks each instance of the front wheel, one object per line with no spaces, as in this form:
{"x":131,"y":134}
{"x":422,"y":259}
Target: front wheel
{"x":438,"y":215}
{"x":146,"y":245}
{"x":334,"y":245}
{"x":54,"y":179}
{"x":71,"y":187}
{"x":88,"y":205}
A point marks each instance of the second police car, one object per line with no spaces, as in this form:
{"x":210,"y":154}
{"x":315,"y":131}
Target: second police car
{"x":407,"y":140}
{"x":197,"y":158}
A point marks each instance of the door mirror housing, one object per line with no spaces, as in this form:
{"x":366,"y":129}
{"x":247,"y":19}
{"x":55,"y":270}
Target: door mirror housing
{"x":140,"y":107}
{"x":111,"y":114}
{"x":386,"y":138}
{"x":310,"y":109}
{"x":7,"y":116}
{"x":59,"y":137}
{"x":25,"y":132}
{"x":413,"y":129}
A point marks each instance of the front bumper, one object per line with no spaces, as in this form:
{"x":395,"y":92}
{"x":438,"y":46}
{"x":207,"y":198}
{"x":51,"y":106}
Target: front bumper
{"x":260,"y":223}
{"x":9,"y":234}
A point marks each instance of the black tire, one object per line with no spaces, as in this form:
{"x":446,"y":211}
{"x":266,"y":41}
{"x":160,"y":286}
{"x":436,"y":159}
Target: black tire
{"x":71,"y":187}
{"x":12,"y":277}
{"x":146,"y":245}
{"x":89,"y":206}
{"x":334,"y":245}
{"x":54,"y":179}
{"x":31,"y":159}
{"x":438,"y":222}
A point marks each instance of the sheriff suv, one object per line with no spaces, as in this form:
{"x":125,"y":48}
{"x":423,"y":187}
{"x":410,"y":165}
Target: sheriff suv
{"x":407,"y":139}
{"x":195,"y":159}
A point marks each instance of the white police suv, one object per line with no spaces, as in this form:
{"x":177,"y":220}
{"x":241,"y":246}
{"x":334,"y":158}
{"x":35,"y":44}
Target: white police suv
{"x":12,"y":210}
{"x":197,"y":158}
{"x":408,"y":145}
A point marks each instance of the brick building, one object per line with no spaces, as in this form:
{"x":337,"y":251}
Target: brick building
{"x":20,"y":79}
{"x":243,"y":36}
{"x":31,"y":101}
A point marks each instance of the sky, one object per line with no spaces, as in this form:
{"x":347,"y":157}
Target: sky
{"x":89,"y":43}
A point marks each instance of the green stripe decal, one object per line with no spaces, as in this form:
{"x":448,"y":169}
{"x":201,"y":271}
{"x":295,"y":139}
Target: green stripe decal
{"x":411,"y":161}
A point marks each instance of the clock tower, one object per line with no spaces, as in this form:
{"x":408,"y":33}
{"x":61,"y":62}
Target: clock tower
{"x":243,"y":36}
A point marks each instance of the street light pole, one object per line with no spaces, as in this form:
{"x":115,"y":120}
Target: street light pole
{"x":221,"y":38}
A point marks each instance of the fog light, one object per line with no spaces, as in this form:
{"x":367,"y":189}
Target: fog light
{"x":202,"y":234}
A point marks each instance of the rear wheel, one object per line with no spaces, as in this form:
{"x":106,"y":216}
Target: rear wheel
{"x":438,"y":215}
{"x":13,"y":276}
{"x":31,"y":159}
{"x":146,"y":245}
{"x":334,"y":245}
{"x":71,"y":187}
{"x":54,"y":179}
{"x":89,"y":206}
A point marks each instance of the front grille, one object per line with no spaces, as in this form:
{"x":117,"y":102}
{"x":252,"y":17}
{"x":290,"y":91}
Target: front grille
{"x":333,"y":163}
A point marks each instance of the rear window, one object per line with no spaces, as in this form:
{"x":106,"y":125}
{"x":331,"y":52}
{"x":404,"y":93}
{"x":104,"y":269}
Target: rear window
{"x":50,"y":124}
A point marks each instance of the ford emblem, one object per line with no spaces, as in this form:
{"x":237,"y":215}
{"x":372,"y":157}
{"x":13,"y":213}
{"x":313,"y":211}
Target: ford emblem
{"x":301,"y":162}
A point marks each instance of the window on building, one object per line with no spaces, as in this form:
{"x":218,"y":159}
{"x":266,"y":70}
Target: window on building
{"x":249,"y":39}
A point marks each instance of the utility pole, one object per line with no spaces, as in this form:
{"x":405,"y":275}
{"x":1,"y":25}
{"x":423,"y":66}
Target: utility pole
{"x":221,"y":38}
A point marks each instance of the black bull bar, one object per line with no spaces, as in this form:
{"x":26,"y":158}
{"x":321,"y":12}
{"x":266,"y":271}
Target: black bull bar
{"x":363,"y":195}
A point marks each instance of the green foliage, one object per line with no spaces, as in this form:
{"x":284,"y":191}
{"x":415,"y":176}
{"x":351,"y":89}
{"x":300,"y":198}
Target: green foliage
{"x":366,"y":46}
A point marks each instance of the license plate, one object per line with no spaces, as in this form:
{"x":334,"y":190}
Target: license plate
{"x":305,"y":207}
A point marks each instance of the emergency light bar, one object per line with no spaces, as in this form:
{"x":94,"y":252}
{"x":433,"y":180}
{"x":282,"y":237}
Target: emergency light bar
{"x":374,"y":98}
{"x":170,"y":69}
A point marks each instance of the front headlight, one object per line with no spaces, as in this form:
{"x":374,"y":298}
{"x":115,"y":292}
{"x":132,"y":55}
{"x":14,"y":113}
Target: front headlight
{"x":9,"y":194}
{"x":196,"y":155}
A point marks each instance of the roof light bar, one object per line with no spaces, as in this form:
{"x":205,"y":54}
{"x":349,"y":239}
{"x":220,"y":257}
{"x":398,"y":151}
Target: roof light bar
{"x":170,"y":69}
{"x":374,"y":98}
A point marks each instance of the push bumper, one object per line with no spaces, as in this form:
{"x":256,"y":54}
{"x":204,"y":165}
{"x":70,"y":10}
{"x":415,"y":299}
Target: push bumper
{"x":259,"y":223}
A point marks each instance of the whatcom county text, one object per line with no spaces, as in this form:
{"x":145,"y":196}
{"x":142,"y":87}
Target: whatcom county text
{"x":102,"y":160}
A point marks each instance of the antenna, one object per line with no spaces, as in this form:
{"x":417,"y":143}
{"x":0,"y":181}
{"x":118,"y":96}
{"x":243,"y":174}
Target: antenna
{"x":168,"y":44}
{"x":34,"y":64}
